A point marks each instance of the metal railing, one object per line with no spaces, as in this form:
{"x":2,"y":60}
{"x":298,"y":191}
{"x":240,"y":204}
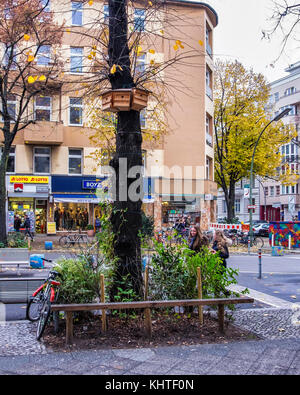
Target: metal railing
{"x":18,"y":290}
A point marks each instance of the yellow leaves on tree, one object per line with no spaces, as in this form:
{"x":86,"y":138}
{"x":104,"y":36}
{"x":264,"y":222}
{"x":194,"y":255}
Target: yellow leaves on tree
{"x":240,"y":98}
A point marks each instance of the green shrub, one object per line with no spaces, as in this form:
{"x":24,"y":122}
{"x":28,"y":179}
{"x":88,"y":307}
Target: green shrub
{"x":174,"y":273}
{"x":80,"y":282}
{"x":16,"y":240}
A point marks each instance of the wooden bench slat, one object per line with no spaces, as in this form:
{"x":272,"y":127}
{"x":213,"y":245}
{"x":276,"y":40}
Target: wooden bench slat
{"x":149,"y":304}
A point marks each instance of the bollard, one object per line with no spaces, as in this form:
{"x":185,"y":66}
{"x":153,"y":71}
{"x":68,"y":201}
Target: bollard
{"x":290,"y":242}
{"x":272,"y":240}
{"x":259,"y":263}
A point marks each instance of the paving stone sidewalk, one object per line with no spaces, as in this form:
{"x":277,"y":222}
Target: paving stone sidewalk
{"x":277,"y":353}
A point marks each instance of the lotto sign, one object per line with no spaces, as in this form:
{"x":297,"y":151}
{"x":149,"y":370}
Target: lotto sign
{"x":29,"y":179}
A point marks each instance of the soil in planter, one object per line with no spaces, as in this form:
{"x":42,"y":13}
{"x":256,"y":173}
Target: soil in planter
{"x":167,"y":330}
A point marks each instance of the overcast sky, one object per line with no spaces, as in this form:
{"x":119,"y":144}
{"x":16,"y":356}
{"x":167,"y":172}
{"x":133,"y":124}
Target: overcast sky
{"x":239,"y":36}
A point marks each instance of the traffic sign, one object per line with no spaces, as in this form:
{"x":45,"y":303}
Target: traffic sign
{"x":251,"y":207}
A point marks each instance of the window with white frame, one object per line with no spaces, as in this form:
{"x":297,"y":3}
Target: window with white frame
{"x":209,"y":82}
{"x":237,"y":205}
{"x":290,"y":91}
{"x":11,"y":163}
{"x":208,"y":126}
{"x":42,"y":108}
{"x":11,"y":108}
{"x":76,"y":61}
{"x":208,"y":168}
{"x":140,"y":64}
{"x":208,"y":39}
{"x":76,"y":111}
{"x":143,"y":119}
{"x":77,"y":13}
{"x":75,"y":160}
{"x":139,"y":19}
{"x":41,"y":160}
{"x":106,"y":13}
{"x":43,"y":56}
{"x":9,"y":60}
{"x":224,"y":206}
{"x":272,"y":193}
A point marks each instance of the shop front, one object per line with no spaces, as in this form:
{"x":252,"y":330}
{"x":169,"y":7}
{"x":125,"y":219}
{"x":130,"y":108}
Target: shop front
{"x":74,"y":201}
{"x":28,"y":195}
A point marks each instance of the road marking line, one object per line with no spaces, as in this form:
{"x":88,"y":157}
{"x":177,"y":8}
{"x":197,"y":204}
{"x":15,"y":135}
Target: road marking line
{"x":264,"y":298}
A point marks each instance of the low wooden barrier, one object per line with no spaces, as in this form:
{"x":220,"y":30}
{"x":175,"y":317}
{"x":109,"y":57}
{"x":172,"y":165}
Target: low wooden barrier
{"x":146,"y":305}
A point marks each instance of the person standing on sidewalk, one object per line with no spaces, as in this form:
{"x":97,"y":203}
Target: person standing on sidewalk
{"x":27,"y":226}
{"x":220,"y":245}
{"x":197,"y":240}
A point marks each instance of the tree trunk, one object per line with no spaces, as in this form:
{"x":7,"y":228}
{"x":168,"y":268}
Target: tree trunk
{"x":126,"y":217}
{"x":3,"y":166}
{"x":231,"y":202}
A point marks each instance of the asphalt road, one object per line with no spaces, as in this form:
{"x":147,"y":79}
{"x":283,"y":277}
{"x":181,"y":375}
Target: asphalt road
{"x":280,"y":275}
{"x":280,"y":280}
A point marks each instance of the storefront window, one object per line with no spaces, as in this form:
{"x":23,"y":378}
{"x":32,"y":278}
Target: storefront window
{"x":71,"y":216}
{"x":41,"y":159}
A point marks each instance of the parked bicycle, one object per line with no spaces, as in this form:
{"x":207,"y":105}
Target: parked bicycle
{"x":242,"y":238}
{"x":73,"y":239}
{"x":39,"y":306}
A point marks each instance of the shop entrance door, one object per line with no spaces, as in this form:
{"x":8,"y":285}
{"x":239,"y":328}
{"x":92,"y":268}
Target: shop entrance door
{"x":41,"y":216}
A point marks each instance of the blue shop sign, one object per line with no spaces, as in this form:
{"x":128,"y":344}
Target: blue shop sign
{"x":92,"y":184}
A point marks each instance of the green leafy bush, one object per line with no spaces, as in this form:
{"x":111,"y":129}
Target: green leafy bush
{"x":15,"y":240}
{"x":80,"y":282}
{"x":174,"y":273}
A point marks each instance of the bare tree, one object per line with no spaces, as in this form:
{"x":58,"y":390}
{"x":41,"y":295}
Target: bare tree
{"x":26,"y":28}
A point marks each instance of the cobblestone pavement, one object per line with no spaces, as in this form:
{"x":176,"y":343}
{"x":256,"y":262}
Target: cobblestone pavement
{"x":277,"y":353}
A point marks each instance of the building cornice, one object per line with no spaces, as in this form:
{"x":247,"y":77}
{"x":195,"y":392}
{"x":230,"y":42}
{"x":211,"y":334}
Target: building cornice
{"x":210,"y":11}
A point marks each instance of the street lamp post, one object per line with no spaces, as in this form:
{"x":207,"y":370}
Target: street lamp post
{"x":277,"y":118}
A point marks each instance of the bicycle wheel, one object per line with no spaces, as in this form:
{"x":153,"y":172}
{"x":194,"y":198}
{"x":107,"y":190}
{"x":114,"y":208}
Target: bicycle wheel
{"x":44,"y":317}
{"x":34,"y":306}
{"x":64,"y":242}
{"x":258,"y":242}
{"x":82,"y":241}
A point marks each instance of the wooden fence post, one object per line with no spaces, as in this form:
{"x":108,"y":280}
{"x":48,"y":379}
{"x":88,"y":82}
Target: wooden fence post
{"x":102,"y":288}
{"x":69,"y":327}
{"x":147,"y":311}
{"x":221,"y":317}
{"x":199,"y":283}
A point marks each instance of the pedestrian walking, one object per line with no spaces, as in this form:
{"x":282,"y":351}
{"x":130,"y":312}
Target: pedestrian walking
{"x":197,"y":240}
{"x":27,"y":226}
{"x":17,"y":223}
{"x":220,"y":245}
{"x":97,"y":224}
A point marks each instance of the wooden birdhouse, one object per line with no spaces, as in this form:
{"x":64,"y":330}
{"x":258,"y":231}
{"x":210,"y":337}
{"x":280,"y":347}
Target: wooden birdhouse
{"x":124,"y":100}
{"x":139,"y":99}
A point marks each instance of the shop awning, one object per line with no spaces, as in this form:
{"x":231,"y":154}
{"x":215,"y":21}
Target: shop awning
{"x":84,"y":198}
{"x":76,"y":198}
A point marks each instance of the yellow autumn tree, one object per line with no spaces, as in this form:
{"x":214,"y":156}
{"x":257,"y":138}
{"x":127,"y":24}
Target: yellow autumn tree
{"x":241,"y":98}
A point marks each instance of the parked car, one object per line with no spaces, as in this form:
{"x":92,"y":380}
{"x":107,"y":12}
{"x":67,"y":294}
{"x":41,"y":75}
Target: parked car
{"x":261,"y":230}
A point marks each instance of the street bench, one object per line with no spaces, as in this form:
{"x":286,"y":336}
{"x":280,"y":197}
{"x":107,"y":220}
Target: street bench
{"x":13,"y":263}
{"x":69,"y":309}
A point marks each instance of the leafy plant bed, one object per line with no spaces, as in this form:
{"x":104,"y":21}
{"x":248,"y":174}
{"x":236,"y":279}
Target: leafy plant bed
{"x":167,"y":330}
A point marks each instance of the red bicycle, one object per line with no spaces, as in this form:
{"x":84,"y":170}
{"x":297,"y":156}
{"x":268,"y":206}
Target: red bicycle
{"x":39,"y":306}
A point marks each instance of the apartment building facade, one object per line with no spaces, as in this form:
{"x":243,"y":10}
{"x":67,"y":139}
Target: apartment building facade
{"x":281,"y":202}
{"x":51,"y":173}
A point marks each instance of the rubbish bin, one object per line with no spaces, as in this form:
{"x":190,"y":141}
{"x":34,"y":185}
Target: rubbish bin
{"x":36,"y":261}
